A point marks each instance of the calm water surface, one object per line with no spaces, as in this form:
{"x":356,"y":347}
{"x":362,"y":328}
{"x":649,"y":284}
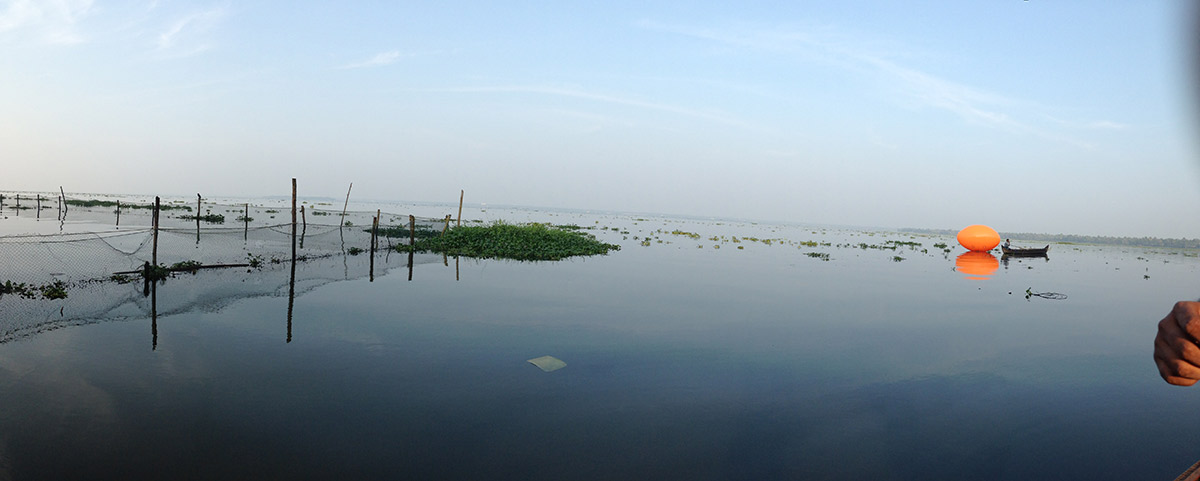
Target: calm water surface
{"x":684,"y":361}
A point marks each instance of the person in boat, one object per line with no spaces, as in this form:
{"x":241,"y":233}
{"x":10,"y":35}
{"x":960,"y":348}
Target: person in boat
{"x":1175,"y":348}
{"x":1007,"y":244}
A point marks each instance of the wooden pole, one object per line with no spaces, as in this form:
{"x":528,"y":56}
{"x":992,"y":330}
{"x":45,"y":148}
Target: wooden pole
{"x":154,"y":255}
{"x":303,"y":226}
{"x":118,"y":212}
{"x":461,"y":193}
{"x":246,"y":220}
{"x":447,"y":226}
{"x":412,"y":230}
{"x":60,"y":208}
{"x":18,"y":205}
{"x":197,"y":219}
{"x":64,"y":200}
{"x":293,"y":221}
{"x":374,"y":233}
{"x":39,"y":206}
{"x":347,"y":204}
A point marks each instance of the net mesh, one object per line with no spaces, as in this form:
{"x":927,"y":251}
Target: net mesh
{"x":81,"y":249}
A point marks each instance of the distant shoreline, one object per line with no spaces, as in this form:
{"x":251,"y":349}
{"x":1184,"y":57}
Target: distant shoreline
{"x":1173,"y":243}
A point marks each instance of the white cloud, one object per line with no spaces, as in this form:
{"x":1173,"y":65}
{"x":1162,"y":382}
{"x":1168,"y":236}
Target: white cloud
{"x":54,"y":21}
{"x":830,"y":46}
{"x":187,"y":35}
{"x":580,"y":94}
{"x":381,"y":59}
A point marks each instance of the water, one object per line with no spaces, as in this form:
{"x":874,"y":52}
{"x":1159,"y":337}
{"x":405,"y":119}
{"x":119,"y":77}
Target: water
{"x":684,"y":361}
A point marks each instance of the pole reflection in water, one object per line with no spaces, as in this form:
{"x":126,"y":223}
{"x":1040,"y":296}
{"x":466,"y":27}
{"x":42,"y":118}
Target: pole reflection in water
{"x":291,"y":298}
{"x":154,"y":316}
{"x":977,"y":265}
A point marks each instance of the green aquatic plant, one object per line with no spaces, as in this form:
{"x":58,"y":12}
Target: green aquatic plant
{"x":210,"y":218}
{"x":190,"y":266}
{"x":501,"y":240}
{"x":53,"y":290}
{"x":110,"y":203}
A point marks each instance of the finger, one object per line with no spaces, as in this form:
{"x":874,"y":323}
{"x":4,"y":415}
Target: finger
{"x":1186,"y":315}
{"x":1177,"y":357}
{"x":1168,"y":371}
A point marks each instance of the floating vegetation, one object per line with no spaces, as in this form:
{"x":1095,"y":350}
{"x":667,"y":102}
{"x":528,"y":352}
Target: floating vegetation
{"x":527,"y":242}
{"x":404,"y":232}
{"x":354,"y":251}
{"x":110,"y":203}
{"x":210,"y":218}
{"x":54,"y":290}
{"x":818,"y":255}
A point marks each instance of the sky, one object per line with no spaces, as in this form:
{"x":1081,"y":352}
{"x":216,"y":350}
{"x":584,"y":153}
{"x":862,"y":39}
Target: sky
{"x":1074,"y":117}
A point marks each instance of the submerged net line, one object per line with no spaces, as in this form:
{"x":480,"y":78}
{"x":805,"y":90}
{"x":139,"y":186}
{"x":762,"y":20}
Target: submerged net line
{"x":85,"y":248}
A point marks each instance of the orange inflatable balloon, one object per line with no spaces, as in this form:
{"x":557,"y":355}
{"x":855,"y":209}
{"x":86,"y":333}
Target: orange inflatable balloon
{"x":979,"y":238}
{"x":977,"y":265}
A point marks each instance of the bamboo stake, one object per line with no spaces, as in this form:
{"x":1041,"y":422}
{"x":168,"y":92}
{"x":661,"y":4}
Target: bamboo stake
{"x":39,"y":206}
{"x":374,"y":233}
{"x":461,"y":193}
{"x":246,"y":220}
{"x":197,"y":218}
{"x":447,"y":226}
{"x":154,"y":255}
{"x":293,"y":222}
{"x":118,"y":212}
{"x":64,"y":200}
{"x":347,"y":204}
{"x":412,"y":230}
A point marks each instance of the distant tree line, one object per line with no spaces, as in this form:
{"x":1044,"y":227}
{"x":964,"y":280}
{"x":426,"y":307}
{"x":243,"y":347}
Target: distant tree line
{"x":1184,"y":243}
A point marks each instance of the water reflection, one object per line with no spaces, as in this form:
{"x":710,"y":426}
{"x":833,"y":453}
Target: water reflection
{"x":1004,"y":259}
{"x":977,"y":265}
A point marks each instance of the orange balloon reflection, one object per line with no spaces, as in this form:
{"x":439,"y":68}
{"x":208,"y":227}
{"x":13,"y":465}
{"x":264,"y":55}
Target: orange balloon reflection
{"x":977,"y":265}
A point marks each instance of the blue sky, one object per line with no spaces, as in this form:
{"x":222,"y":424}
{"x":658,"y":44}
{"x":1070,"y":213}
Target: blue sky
{"x":1037,"y":116}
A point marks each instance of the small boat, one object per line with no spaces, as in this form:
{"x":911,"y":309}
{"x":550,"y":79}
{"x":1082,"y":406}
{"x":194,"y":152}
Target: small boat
{"x":1019,"y":252}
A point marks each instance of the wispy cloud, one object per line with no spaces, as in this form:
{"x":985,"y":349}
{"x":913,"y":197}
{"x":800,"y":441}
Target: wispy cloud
{"x":188,"y":35}
{"x":385,"y":58}
{"x":54,"y":22}
{"x":612,"y":99}
{"x":830,"y":46}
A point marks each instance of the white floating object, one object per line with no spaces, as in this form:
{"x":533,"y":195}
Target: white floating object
{"x":548,"y":363}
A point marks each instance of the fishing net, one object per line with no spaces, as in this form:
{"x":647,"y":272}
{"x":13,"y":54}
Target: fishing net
{"x":79,"y":266}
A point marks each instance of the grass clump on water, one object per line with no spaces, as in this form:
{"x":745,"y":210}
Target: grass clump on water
{"x":500,"y":240}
